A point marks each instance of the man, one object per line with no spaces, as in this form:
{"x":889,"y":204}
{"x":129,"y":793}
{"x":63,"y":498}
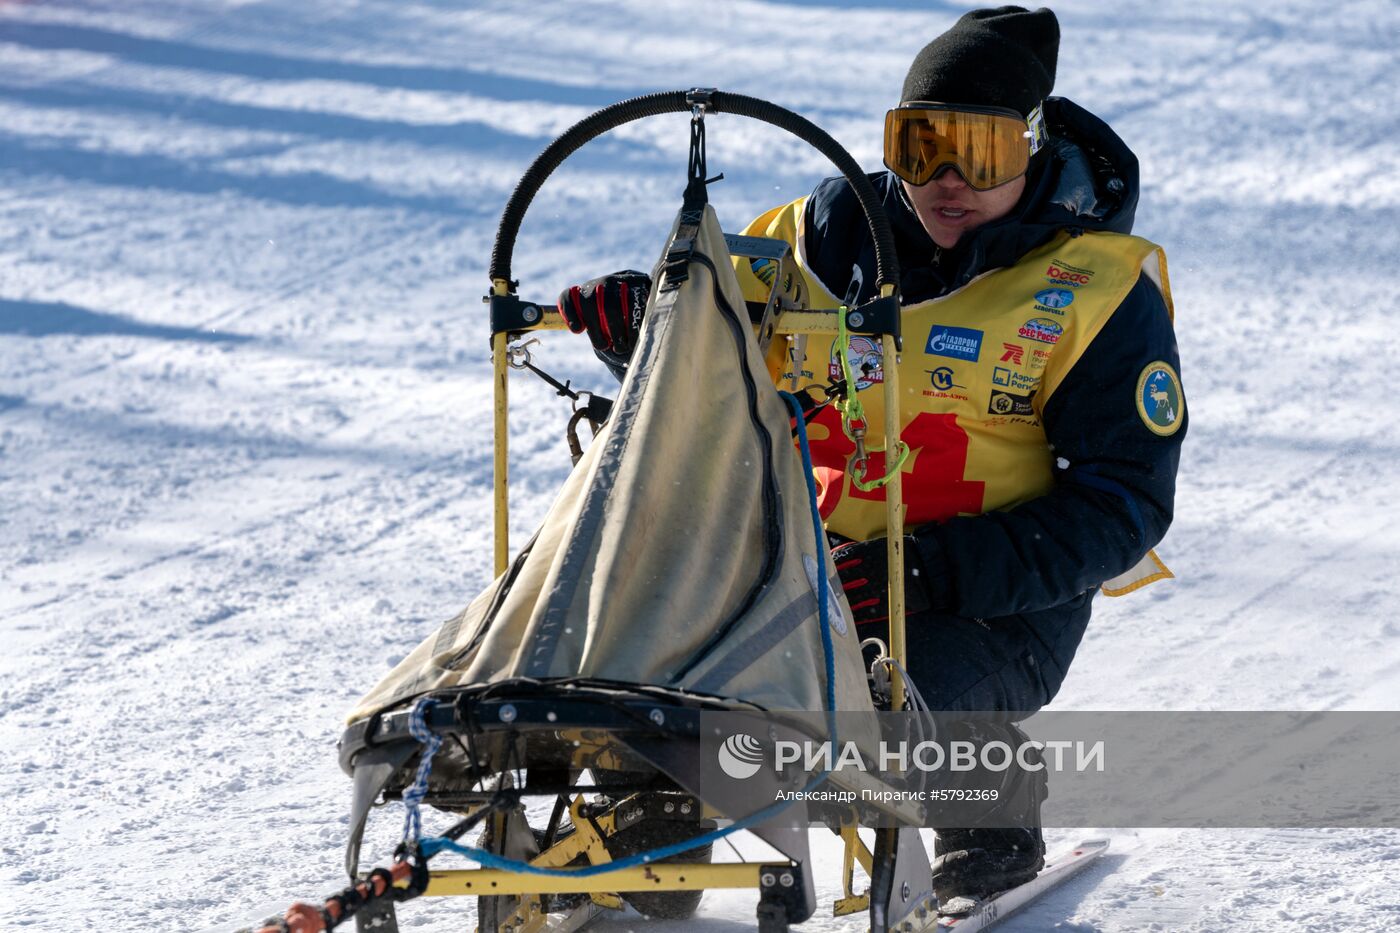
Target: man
{"x":1044,"y":414}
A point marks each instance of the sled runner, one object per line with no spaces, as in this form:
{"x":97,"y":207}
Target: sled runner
{"x":682,"y":574}
{"x":1059,"y":868}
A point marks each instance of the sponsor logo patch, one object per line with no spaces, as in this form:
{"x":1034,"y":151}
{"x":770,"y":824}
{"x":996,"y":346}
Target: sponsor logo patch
{"x":958,"y":343}
{"x":1053,"y":300}
{"x":1042,"y":330}
{"x":942,"y":378}
{"x":1011,"y":379}
{"x":1010,"y":403}
{"x":1063,"y":274}
{"x":1160,"y":402}
{"x":945,"y":384}
{"x":1012,"y":353}
{"x":867,"y":362}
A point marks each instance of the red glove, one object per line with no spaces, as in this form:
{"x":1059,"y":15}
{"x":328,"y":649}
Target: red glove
{"x":609,"y":308}
{"x":865,"y":576}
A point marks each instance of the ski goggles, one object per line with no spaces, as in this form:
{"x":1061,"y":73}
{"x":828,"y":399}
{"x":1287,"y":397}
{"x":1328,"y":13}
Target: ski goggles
{"x":989,"y":146}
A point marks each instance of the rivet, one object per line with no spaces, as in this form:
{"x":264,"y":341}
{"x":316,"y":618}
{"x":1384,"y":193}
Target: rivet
{"x":507,"y":713}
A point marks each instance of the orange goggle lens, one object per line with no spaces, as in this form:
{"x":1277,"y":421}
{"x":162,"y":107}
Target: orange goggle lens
{"x":988,"y":147}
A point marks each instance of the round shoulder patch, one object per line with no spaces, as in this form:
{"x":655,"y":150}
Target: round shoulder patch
{"x":1159,"y":399}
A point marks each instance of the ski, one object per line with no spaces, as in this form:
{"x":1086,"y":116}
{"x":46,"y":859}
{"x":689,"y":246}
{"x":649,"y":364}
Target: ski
{"x":1059,"y":869}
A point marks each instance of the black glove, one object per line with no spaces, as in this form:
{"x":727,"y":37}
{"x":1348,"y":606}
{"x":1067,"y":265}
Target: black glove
{"x":865,"y":575}
{"x":609,"y":308}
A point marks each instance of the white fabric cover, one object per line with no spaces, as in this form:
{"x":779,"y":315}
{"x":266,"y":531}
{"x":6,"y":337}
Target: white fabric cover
{"x":659,"y":534}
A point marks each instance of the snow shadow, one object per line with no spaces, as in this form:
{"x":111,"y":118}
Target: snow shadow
{"x":465,"y":134}
{"x":10,"y":401}
{"x":166,"y":53}
{"x":129,"y":430}
{"x":47,"y":319}
{"x":1230,"y":445}
{"x":156,"y":172}
{"x":473,"y":136}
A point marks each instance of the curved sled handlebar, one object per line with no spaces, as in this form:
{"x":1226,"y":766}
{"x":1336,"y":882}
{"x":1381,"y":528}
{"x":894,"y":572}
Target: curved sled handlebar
{"x":651,"y":105}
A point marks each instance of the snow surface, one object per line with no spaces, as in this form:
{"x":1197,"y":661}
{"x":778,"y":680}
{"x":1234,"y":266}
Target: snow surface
{"x":244,"y":439}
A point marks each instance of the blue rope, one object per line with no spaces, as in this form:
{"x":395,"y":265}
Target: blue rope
{"x":431,"y":847}
{"x":413,"y":795}
{"x":823,"y":597}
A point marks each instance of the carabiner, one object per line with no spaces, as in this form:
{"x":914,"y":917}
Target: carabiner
{"x":518,"y":354}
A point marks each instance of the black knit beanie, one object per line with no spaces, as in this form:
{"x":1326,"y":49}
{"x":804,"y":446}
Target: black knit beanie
{"x":1002,"y":57}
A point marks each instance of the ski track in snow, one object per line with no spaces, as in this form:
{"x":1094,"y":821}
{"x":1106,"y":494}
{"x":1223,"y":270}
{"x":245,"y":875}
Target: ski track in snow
{"x":244,"y":444}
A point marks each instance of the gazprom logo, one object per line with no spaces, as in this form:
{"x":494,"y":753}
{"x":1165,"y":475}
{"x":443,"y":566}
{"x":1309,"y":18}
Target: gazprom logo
{"x":958,"y":343}
{"x":740,"y":756}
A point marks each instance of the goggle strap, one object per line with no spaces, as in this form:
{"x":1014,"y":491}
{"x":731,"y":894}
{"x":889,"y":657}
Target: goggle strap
{"x":1036,"y":129}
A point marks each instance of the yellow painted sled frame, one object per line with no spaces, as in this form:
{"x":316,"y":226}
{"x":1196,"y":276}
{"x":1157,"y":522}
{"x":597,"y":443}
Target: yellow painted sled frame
{"x":907,"y":906}
{"x":673,"y":876}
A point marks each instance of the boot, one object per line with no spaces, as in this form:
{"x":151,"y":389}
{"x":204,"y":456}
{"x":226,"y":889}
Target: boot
{"x":1004,"y":847}
{"x":974,"y":864}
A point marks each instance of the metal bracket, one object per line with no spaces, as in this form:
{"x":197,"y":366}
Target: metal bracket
{"x":701,"y":98}
{"x":757,"y":247}
{"x":510,"y":314}
{"x":780,"y":892}
{"x":901,"y":883}
{"x":786,"y":290}
{"x":877,"y":317}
